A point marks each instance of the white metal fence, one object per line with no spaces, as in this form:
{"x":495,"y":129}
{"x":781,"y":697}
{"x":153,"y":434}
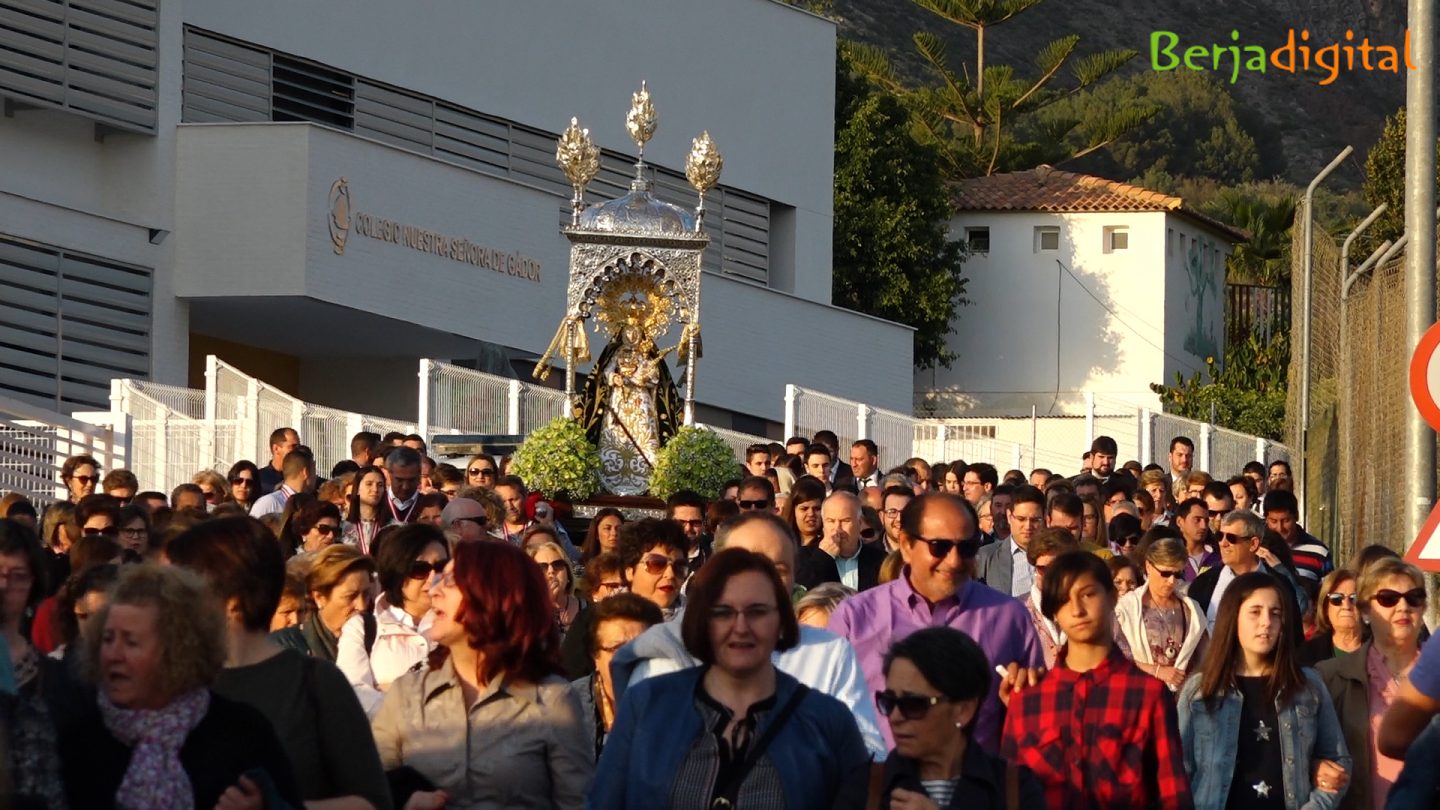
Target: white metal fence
{"x":454,"y":399}
{"x":807,"y":412}
{"x":34,"y":443}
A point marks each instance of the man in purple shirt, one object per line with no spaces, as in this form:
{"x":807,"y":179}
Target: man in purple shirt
{"x":936,"y":588}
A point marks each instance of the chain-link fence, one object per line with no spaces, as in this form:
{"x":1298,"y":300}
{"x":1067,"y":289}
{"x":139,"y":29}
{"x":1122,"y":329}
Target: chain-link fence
{"x":1359,"y":362}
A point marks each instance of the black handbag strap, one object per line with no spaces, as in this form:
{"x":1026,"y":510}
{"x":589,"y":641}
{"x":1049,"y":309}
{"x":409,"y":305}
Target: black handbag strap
{"x":725,"y":794}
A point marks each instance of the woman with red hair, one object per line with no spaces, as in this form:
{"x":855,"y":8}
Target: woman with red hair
{"x":490,"y":722}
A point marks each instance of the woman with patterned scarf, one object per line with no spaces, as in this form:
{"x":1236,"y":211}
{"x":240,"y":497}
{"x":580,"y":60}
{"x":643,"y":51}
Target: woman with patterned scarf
{"x":158,"y":738}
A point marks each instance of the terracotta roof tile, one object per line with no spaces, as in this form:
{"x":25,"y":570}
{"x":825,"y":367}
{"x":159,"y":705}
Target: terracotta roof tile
{"x":1046,"y":189}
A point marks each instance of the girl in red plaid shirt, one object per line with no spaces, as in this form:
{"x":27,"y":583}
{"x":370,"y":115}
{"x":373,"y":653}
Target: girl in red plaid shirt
{"x":1096,"y":731}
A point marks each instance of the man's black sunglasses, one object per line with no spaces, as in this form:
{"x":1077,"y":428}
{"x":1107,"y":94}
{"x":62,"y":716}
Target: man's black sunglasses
{"x":940,"y":549}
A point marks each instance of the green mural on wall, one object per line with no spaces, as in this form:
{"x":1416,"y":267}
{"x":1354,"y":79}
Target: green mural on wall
{"x":1200,"y":338}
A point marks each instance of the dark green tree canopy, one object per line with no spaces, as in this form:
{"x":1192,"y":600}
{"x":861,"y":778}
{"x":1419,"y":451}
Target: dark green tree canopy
{"x":893,"y":257}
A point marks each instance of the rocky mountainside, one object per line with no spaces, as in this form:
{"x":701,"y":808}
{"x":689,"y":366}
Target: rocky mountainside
{"x":1299,"y":124}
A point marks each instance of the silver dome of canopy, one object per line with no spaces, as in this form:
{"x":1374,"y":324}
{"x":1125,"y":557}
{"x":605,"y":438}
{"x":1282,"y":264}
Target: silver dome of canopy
{"x":639,"y":213}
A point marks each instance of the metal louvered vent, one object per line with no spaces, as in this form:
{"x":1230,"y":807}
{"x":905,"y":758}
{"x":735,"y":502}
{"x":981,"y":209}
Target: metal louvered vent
{"x":230,"y":80}
{"x":69,"y":323}
{"x":305,"y":91}
{"x":97,"y":58}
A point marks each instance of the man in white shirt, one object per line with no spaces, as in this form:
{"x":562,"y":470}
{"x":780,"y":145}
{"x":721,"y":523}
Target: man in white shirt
{"x":822,"y":660}
{"x":297,"y":469}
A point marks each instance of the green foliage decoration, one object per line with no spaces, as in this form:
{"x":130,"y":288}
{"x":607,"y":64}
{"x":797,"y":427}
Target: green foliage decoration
{"x":696,"y":459}
{"x":1247,"y":394}
{"x":557,"y":458}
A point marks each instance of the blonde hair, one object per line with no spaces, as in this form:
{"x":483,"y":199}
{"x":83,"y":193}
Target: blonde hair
{"x":333,"y":564}
{"x":216,"y":481}
{"x":1381,"y":570}
{"x":1338,"y":577}
{"x":1150,"y":478}
{"x":532,"y":549}
{"x":1166,"y":551}
{"x":58,"y":517}
{"x":1185,"y":481}
{"x":189,"y":623}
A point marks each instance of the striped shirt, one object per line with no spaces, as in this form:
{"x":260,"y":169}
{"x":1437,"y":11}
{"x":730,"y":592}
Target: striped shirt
{"x":1312,"y":557}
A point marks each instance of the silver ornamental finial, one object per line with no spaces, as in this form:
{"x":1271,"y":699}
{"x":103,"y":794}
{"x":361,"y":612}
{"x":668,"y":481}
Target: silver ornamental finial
{"x":640,"y":123}
{"x":702,"y":169}
{"x":579,"y":158}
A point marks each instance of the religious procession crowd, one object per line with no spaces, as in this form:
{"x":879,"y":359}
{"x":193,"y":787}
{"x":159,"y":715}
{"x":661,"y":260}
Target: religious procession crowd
{"x":820,"y":633}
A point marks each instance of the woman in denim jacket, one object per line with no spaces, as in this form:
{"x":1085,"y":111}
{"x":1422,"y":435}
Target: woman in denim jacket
{"x":1254,"y":725}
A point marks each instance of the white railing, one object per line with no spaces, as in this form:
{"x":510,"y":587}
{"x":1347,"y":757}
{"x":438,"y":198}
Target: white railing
{"x":243,"y":411}
{"x":737,"y":440}
{"x":808,"y":412}
{"x":454,"y":399}
{"x":34,"y":443}
{"x":169,"y":440}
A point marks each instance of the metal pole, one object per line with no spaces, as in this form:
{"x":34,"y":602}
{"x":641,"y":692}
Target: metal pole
{"x":1347,"y":412}
{"x":1307,"y":252}
{"x":1420,"y":255}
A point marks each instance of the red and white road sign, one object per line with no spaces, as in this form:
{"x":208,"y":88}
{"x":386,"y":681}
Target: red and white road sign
{"x":1425,"y":376}
{"x":1425,"y":391}
{"x":1425,"y":551}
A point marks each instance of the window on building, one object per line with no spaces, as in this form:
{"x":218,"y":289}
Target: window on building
{"x":1047,"y":238}
{"x":978,"y":239}
{"x":1117,"y":238}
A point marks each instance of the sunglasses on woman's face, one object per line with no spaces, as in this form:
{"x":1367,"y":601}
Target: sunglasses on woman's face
{"x":912,"y":707}
{"x":424,"y":570}
{"x":1132,"y":540}
{"x":558,"y":566}
{"x":1167,"y":574}
{"x":481,"y":472}
{"x":1338,"y":599}
{"x":1414,"y":598}
{"x":655,"y":565}
{"x":326,"y":529}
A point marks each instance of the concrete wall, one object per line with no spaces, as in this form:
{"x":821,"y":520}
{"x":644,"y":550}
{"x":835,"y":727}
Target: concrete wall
{"x":1195,"y":306}
{"x":1048,"y":326}
{"x":757,"y":74}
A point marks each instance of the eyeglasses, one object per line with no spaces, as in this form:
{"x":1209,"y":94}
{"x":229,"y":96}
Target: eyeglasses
{"x":211,"y":495}
{"x":1228,"y":537}
{"x":1414,"y":598}
{"x":479,"y":520}
{"x":891,"y":513}
{"x":424,"y":570}
{"x":940,"y":549}
{"x":1167,"y":574}
{"x":1132,"y":540}
{"x":746,"y":506}
{"x":325,"y":529}
{"x":241,"y":481}
{"x":912,"y":707}
{"x":655,"y":565}
{"x":554,"y":565}
{"x":1338,"y":599}
{"x":91,"y":531}
{"x":1027,"y":521}
{"x":612,"y":587}
{"x":752,"y":613}
{"x":138,"y":531}
{"x":482,"y":472}
{"x":85,"y":479}
{"x":1215,"y":513}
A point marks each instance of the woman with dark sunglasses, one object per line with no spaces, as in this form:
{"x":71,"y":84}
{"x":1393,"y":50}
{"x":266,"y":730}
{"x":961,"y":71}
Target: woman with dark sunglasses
{"x":244,"y":481}
{"x":1165,"y":629}
{"x":559,"y":580}
{"x":1363,"y":684}
{"x":935,"y":680}
{"x":1338,"y":629}
{"x":376,"y":648}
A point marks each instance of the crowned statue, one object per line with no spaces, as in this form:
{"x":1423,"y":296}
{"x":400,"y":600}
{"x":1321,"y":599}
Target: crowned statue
{"x":634,"y":269}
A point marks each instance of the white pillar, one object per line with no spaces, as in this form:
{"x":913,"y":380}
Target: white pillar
{"x":1261,"y":445}
{"x":1014,"y":455}
{"x":862,"y":421}
{"x":512,"y":423}
{"x":208,"y":455}
{"x":426,"y":373}
{"x":1206,"y":431}
{"x":792,"y":396}
{"x":1089,"y":420}
{"x":1147,"y":438}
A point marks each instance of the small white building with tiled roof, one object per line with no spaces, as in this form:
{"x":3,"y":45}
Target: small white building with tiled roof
{"x":1078,"y":285}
